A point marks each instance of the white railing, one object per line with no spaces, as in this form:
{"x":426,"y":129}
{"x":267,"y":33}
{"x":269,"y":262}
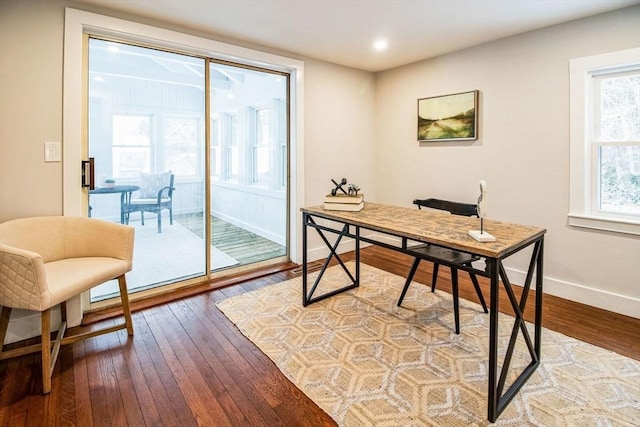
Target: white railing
{"x":258,"y":210}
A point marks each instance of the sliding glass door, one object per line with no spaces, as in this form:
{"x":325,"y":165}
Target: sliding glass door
{"x":248,"y":153}
{"x":191,"y":153}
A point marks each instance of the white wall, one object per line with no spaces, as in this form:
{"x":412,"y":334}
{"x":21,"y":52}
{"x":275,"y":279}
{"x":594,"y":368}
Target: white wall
{"x":30,"y":107}
{"x":339,"y":135}
{"x":339,"y":131}
{"x":522,"y":151}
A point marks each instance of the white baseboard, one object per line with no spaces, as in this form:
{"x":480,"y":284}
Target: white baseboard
{"x":610,"y":301}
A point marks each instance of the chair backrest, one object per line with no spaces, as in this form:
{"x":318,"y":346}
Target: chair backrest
{"x":151,"y":183}
{"x":59,"y":237}
{"x":465,"y":209}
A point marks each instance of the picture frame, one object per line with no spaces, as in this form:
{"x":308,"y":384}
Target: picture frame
{"x":451,"y":117}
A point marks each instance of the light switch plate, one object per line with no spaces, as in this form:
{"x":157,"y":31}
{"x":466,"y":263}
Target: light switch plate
{"x":52,"y":152}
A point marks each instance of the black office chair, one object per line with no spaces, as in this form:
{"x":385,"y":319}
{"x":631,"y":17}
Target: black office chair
{"x":449,"y":256}
{"x":155,"y":194}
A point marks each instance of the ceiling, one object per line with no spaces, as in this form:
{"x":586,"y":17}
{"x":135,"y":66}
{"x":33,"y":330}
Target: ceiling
{"x":343,"y":31}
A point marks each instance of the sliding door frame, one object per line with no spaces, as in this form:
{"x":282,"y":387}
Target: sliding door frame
{"x":79,"y":23}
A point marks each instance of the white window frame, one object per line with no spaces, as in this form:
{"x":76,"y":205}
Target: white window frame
{"x":216,"y":149}
{"x":582,"y":169}
{"x":257,"y":143}
{"x":231,"y":144}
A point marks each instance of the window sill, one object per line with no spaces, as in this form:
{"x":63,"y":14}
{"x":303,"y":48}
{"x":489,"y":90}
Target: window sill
{"x":605,"y":224}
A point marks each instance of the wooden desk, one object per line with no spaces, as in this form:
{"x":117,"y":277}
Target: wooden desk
{"x":448,"y":231}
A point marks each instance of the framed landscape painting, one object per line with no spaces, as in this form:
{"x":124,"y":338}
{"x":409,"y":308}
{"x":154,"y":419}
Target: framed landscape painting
{"x":448,"y":117}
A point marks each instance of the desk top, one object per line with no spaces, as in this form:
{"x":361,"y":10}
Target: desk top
{"x":436,"y":227}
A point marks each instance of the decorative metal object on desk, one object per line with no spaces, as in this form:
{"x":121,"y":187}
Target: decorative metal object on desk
{"x":481,"y":235}
{"x":348,"y":200}
{"x":343,"y":182}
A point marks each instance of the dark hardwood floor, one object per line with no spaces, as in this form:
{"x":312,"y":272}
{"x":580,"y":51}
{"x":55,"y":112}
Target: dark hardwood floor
{"x":188,"y":365}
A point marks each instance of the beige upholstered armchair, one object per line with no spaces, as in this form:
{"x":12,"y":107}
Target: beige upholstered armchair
{"x":44,"y":261}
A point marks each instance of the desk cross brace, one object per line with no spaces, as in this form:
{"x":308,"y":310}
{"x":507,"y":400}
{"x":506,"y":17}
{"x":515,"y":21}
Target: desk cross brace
{"x":307,"y":297}
{"x":497,"y":400}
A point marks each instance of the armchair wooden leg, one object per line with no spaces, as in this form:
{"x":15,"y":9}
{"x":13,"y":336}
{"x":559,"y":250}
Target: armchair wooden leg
{"x":126,"y":308}
{"x":49,"y":355}
{"x":46,"y":351}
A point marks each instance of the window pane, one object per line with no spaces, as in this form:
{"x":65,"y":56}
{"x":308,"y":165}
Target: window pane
{"x":620,"y":108}
{"x":130,"y":162}
{"x":145,"y":115}
{"x":131,"y":145}
{"x":233,"y":159}
{"x":261,"y":150}
{"x":262,"y":127}
{"x":620,"y":179}
{"x":131,"y":130}
{"x":234,"y":162}
{"x":260,"y":164}
{"x":181,"y":142}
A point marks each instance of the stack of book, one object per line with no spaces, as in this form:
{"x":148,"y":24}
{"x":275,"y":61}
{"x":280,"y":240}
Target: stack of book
{"x":343,"y":202}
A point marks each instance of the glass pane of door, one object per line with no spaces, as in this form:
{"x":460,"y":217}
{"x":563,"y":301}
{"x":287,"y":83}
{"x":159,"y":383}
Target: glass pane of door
{"x":146,"y":132}
{"x":249,"y":162}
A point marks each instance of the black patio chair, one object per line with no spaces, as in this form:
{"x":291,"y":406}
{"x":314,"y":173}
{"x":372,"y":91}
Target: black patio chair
{"x":155,"y":194}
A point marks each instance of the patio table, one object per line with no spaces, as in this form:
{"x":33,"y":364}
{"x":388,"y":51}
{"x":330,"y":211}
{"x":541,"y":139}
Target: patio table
{"x":125,"y":195}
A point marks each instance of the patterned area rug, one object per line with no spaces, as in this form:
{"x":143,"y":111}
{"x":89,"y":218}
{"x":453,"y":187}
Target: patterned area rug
{"x":367,"y":362}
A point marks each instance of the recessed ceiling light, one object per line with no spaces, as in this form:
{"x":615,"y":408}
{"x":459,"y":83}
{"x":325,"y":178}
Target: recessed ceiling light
{"x":380,"y":44}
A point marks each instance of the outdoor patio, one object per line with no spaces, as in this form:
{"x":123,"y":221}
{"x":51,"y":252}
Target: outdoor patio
{"x":178,"y":252}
